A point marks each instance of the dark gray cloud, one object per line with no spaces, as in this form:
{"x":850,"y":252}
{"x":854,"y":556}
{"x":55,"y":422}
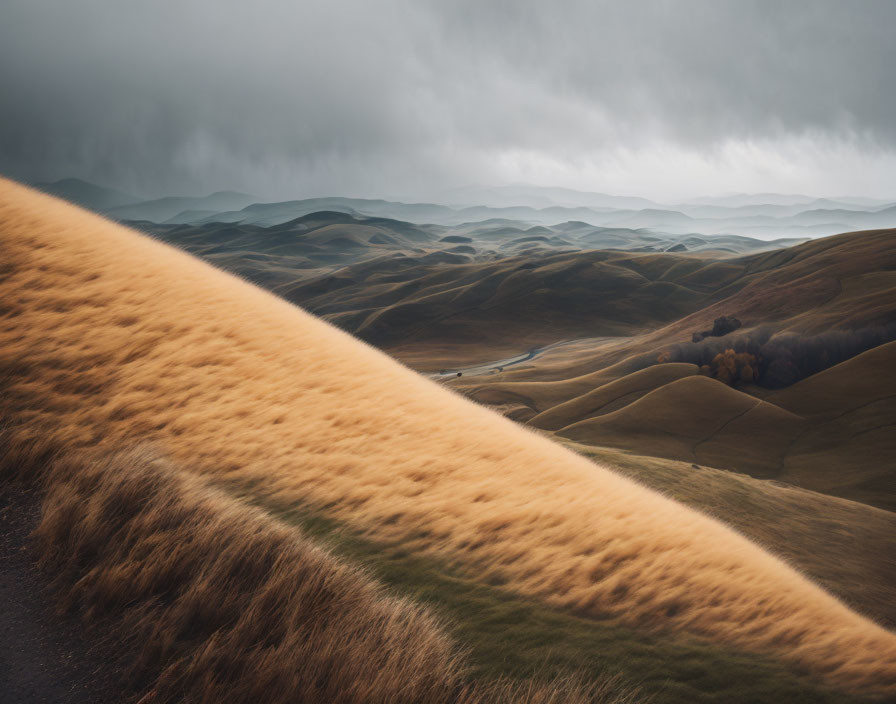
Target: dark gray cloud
{"x":387,"y":97}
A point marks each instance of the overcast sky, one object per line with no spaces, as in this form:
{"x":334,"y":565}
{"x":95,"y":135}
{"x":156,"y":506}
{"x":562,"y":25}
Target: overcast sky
{"x":293,"y":98}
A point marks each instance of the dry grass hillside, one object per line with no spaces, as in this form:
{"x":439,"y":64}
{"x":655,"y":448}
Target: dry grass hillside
{"x":216,"y":601}
{"x":108,"y":337}
{"x":847,"y":546}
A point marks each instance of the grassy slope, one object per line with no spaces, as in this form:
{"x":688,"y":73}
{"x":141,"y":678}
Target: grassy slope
{"x":237,"y":383}
{"x":699,"y":419}
{"x":852,"y":411}
{"x":510,"y":635}
{"x":843,"y":545}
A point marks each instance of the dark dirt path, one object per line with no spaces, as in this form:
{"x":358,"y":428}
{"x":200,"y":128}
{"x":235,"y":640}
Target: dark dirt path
{"x":44,"y":658}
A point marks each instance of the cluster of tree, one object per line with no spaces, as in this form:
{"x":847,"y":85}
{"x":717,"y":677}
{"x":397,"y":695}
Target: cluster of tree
{"x":776,"y":360}
{"x":720,"y":327}
{"x":732,"y":367}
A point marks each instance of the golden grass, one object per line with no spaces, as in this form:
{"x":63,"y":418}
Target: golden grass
{"x":220,"y":603}
{"x":110,"y":336}
{"x":843,"y":545}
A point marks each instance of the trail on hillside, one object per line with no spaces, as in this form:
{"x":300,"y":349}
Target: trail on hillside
{"x":44,"y":658}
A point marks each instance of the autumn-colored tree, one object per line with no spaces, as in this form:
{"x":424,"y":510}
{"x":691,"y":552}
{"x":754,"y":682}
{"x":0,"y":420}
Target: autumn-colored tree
{"x":731,"y":367}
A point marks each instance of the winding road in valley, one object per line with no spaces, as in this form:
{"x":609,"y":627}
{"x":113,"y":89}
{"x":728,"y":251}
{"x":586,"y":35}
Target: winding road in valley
{"x":502,"y":364}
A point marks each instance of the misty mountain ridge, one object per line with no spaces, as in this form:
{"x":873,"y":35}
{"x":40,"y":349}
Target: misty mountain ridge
{"x":766,"y":216}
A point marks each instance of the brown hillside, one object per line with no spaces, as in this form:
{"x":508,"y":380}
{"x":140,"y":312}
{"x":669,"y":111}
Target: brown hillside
{"x":612,"y":396}
{"x":689,"y":419}
{"x":848,"y":448}
{"x":831,"y":432}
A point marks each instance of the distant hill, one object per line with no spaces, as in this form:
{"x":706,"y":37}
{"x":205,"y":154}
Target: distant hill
{"x":165,"y":209}
{"x":765,"y":221}
{"x":738,"y":200}
{"x":300,"y":255}
{"x":769,"y":217}
{"x":300,"y":249}
{"x":87,"y":195}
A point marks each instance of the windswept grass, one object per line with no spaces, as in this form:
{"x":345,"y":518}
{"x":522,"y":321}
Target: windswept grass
{"x":844,"y":545}
{"x":220,"y":603}
{"x":510,"y":635}
{"x":111,"y":337}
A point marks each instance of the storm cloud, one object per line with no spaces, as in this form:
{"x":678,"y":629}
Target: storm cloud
{"x":294,"y":99}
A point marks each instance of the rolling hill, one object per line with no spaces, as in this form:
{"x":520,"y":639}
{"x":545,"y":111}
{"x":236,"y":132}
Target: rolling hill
{"x":170,"y":207}
{"x":766,"y":216}
{"x":719,"y":422}
{"x":111,"y":338}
